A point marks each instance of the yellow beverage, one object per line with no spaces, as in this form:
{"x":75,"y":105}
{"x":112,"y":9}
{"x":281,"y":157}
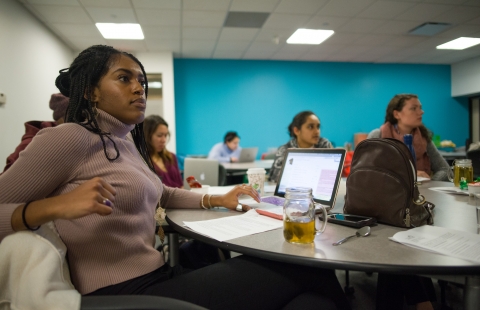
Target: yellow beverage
{"x":299,"y":232}
{"x":461,"y":171}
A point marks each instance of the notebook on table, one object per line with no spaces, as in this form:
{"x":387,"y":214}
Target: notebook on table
{"x":319,"y":169}
{"x":248,"y":154}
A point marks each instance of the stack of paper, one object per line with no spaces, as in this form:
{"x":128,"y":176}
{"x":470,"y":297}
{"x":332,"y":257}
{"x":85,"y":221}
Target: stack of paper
{"x":442,"y":240}
{"x":232,"y":227}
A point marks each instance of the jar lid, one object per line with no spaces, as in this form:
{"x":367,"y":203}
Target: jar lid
{"x":256,"y":170}
{"x":463,"y":162}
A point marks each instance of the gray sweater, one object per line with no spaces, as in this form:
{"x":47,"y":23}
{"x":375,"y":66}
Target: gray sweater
{"x":438,"y":164}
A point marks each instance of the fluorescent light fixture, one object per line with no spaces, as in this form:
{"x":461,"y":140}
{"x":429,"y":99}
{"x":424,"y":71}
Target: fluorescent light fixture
{"x":309,"y":36}
{"x":155,"y":85}
{"x":120,"y":31}
{"x":459,"y":44}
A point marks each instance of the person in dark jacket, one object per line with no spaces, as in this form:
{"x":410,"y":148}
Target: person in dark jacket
{"x":58,"y":103}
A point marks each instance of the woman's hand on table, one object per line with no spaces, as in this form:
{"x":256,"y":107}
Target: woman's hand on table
{"x":230,"y":199}
{"x":422,"y":174}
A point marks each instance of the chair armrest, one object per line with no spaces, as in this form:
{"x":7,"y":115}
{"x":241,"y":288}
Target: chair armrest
{"x":135,"y":302}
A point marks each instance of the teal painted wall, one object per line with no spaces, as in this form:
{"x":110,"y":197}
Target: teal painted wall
{"x":259,"y":99}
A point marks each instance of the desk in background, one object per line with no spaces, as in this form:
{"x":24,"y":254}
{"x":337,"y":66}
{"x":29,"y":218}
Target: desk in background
{"x":375,"y":253}
{"x":237,"y":171}
{"x":451,"y":156}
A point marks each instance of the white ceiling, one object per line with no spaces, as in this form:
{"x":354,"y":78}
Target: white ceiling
{"x":365,"y":30}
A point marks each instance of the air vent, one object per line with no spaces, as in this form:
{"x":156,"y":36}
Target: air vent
{"x":429,"y":29}
{"x":246,"y":19}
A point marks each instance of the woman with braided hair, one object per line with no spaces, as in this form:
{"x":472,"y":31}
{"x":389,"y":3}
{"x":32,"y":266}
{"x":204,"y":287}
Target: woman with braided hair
{"x":97,"y":184}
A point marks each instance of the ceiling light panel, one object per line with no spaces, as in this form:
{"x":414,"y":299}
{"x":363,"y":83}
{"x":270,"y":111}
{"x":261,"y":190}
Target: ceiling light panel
{"x":460,"y":43}
{"x":120,"y":31}
{"x":309,"y":36}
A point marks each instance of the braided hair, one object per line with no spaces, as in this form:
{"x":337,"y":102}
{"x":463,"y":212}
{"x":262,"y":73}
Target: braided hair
{"x":79,"y":80}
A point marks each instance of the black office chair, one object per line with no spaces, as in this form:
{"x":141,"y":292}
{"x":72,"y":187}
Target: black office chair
{"x":222,"y":175}
{"x":474,"y":156}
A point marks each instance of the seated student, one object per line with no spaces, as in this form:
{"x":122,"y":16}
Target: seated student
{"x":193,"y":254}
{"x":98,"y":186}
{"x":165,"y":163}
{"x":304,"y":132}
{"x":227,"y":151}
{"x":404,"y":116}
{"x":58,"y":103}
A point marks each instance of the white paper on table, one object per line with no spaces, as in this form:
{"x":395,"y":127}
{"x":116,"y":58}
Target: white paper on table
{"x":442,"y":240}
{"x":232,"y":227}
{"x":219,"y":190}
{"x":449,"y":190}
{"x":423,"y":179}
{"x":269,"y":188}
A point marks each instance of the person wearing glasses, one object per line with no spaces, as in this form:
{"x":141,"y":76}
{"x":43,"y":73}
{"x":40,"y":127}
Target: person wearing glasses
{"x":404,"y":116}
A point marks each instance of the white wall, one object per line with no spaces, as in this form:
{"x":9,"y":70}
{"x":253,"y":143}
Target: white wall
{"x":163,"y":63}
{"x":30,"y":57}
{"x":466,"y":78}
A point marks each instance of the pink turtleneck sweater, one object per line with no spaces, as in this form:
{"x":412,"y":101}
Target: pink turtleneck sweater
{"x":102,"y":250}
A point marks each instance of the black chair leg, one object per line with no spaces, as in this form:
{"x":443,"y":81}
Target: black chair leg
{"x":443,"y":288}
{"x":349,"y":290}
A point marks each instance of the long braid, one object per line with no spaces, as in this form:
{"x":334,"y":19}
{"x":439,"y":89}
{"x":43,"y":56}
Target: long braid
{"x":77,"y":83}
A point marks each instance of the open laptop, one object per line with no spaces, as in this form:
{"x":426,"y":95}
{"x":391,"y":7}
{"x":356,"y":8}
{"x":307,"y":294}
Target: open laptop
{"x":248,"y":154}
{"x":204,"y":170}
{"x":319,"y":169}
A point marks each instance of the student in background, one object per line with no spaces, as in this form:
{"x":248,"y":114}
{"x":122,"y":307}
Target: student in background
{"x":98,"y":186}
{"x":228,"y":151}
{"x":164,"y":162}
{"x":304,"y":131}
{"x":58,"y":103}
{"x":404,"y":116}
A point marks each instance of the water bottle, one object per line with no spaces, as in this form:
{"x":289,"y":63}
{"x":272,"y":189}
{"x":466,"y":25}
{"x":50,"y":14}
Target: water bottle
{"x":408,"y":140}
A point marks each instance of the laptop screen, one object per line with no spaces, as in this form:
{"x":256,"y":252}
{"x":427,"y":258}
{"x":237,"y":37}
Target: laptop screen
{"x":319,"y":169}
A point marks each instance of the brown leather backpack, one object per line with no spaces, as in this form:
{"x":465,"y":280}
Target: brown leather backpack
{"x":382,"y":184}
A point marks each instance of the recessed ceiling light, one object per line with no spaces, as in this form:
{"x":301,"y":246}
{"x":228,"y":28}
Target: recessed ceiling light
{"x":459,"y":44}
{"x":120,"y":31}
{"x":309,"y":36}
{"x":155,"y":85}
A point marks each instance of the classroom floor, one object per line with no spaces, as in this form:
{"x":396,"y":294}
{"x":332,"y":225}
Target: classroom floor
{"x":365,"y":288}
